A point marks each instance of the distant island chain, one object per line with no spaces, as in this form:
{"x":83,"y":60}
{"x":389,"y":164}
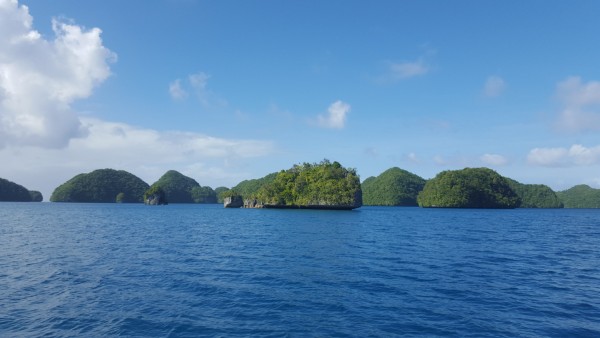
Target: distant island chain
{"x":323,"y":185}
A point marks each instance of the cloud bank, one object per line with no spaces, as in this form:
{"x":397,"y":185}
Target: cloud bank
{"x":40,"y":79}
{"x":576,"y":155}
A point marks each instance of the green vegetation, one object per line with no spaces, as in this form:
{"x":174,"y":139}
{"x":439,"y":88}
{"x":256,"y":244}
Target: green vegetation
{"x":325,"y":184}
{"x":393,"y":187}
{"x":535,"y":195}
{"x":580,"y":196}
{"x":101,"y":186}
{"x":204,"y":195}
{"x":250,"y":188}
{"x":179,"y":188}
{"x":220,"y":191}
{"x":155,"y":195}
{"x":468,"y":188}
{"x":13,"y":192}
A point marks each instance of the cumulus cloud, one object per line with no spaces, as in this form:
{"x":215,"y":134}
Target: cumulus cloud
{"x":494,"y":86}
{"x":581,"y":105}
{"x":41,"y":78}
{"x":336,"y":117}
{"x":576,"y":155}
{"x":493,"y":160}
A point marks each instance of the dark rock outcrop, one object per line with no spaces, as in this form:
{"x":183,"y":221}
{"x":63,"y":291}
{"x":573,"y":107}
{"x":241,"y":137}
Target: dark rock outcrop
{"x":233,"y":202}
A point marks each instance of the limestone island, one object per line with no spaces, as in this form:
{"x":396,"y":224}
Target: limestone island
{"x":325,"y":185}
{"x":13,"y":192}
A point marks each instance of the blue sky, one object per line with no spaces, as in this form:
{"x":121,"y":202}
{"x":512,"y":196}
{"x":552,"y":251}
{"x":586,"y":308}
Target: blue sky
{"x":230,"y":90}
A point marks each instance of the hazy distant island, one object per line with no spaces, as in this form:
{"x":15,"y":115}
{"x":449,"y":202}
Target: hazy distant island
{"x":324,"y":185}
{"x":13,"y":192}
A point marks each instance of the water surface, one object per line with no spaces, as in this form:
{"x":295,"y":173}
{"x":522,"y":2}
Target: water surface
{"x":201,"y":270}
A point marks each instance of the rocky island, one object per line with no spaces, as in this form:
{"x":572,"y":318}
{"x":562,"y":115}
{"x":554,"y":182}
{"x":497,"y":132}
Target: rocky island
{"x":324,"y":185}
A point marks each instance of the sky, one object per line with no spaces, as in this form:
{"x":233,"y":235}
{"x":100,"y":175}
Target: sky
{"x":225,"y":91}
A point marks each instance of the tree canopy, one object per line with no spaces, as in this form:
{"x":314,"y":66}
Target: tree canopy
{"x":580,"y":196}
{"x":535,"y":195}
{"x":393,"y":187}
{"x":468,"y":188}
{"x":101,"y":186}
{"x":324,"y":184}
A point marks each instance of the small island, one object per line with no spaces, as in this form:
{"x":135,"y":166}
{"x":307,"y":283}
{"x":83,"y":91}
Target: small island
{"x":580,"y":196}
{"x":13,"y":192}
{"x":468,"y":188}
{"x":393,"y":187}
{"x":102,"y":186}
{"x":178,"y":188}
{"x":324,"y":185}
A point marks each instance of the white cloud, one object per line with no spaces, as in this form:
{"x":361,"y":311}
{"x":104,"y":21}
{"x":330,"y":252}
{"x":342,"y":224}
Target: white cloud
{"x":412,"y":157}
{"x":196,"y":84}
{"x":176,"y":91}
{"x":144,"y":152}
{"x":40,"y":79}
{"x":576,"y":155}
{"x":581,"y":105}
{"x":494,"y":86}
{"x":494,"y":160}
{"x":199,"y":80}
{"x":407,"y":69}
{"x":336,"y":117}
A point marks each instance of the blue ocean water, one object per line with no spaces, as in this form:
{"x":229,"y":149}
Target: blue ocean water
{"x":75,"y":270}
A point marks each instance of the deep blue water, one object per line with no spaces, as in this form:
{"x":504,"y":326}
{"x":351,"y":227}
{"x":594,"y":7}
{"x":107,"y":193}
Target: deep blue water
{"x":196,"y":270}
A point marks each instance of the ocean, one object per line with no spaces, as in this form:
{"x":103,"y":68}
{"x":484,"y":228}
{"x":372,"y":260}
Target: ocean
{"x":99,"y":270}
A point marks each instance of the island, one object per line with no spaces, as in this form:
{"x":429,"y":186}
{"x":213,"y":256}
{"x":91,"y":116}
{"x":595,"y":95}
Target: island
{"x":102,"y":186}
{"x":535,"y":195}
{"x":178,"y":188}
{"x":393,"y":187}
{"x":324,"y":185}
{"x":580,"y":196}
{"x":13,"y":192}
{"x":468,"y":188}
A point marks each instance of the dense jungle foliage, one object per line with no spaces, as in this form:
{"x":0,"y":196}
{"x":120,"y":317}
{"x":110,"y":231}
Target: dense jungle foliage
{"x":318,"y":184}
{"x":468,"y":188}
{"x":580,"y":196}
{"x":393,"y":187}
{"x":13,"y":192}
{"x":220,"y":193}
{"x":101,"y":186}
{"x":535,"y":195}
{"x":179,"y":188}
{"x":250,"y":188}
